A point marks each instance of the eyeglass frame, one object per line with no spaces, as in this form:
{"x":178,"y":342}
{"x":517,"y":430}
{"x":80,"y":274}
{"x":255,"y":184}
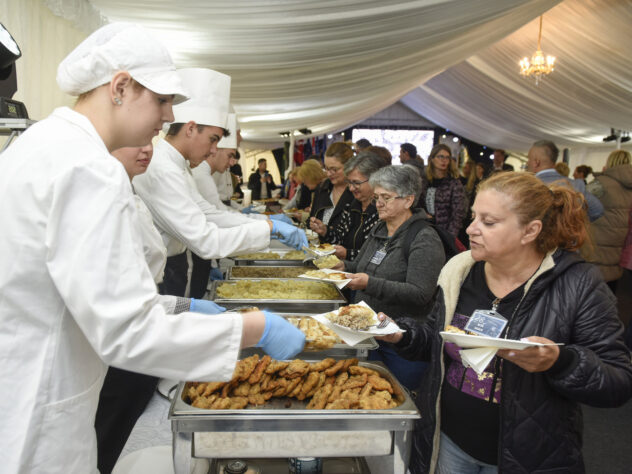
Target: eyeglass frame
{"x":356,"y":184}
{"x":377,"y":198}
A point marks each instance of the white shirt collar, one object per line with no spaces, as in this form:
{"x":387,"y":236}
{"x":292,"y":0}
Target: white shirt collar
{"x":172,"y":152}
{"x":81,"y":121}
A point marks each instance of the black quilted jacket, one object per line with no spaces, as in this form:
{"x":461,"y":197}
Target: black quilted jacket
{"x":541,"y":419}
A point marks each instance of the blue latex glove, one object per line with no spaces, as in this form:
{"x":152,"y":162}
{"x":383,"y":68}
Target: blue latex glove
{"x":281,"y":217}
{"x":249,"y":210}
{"x":205,"y":306}
{"x":280,"y":339}
{"x":289,"y":235}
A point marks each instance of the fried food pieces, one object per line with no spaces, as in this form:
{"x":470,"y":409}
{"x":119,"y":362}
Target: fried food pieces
{"x":327,"y":384}
{"x":319,"y":336}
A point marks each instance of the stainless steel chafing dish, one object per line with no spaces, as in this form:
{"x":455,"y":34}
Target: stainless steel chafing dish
{"x":282,"y":305}
{"x":280,"y":262}
{"x":241,"y":272}
{"x":277,"y":430}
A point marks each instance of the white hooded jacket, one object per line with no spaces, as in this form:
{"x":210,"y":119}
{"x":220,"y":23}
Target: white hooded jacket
{"x":76,"y":295}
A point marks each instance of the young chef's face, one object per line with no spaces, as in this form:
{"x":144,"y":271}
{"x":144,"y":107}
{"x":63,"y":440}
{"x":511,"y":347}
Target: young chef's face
{"x":222,"y":159}
{"x":147,"y":112}
{"x":495,"y":232}
{"x":203,"y":144}
{"x":135,"y":160}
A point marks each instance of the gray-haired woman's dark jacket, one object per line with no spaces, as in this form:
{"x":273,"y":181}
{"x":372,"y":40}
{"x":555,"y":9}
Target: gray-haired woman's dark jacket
{"x":399,"y":286}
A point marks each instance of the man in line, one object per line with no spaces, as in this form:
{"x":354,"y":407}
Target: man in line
{"x":541,"y":161}
{"x":183,"y":217}
{"x":261,"y":182}
{"x":408,"y":156}
{"x":499,"y":162}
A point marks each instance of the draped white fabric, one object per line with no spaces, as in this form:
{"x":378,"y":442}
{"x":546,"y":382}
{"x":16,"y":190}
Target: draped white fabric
{"x":322,"y":65}
{"x":486,"y":100}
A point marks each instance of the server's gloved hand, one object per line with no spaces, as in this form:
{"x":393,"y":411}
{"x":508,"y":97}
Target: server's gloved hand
{"x":281,"y":217}
{"x":280,"y":339}
{"x":249,"y":210}
{"x":289,"y":235}
{"x":205,"y":306}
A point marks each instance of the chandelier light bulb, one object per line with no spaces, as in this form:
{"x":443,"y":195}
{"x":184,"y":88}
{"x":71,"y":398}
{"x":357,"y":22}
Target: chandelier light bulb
{"x":539,"y":65}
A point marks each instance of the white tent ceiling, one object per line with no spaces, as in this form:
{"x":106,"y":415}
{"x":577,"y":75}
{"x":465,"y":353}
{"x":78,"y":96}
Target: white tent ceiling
{"x":329,"y":64}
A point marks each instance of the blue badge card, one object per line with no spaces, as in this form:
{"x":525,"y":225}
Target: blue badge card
{"x":378,"y":256}
{"x":486,"y":323}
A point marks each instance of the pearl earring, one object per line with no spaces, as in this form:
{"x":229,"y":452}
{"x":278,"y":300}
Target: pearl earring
{"x":117,"y":101}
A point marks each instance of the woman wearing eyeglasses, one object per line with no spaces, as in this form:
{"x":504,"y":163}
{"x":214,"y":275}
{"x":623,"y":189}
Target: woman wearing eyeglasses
{"x":443,"y":196}
{"x":332,"y":195}
{"x":360,"y":215}
{"x":398,"y":266}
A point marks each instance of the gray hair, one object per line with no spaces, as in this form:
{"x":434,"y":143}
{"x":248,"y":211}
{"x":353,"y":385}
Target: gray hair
{"x":403,"y":180}
{"x":549,"y":149}
{"x":366,"y":163}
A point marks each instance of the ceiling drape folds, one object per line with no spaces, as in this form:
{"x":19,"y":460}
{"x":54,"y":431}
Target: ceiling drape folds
{"x":321,"y":65}
{"x":486,"y":100}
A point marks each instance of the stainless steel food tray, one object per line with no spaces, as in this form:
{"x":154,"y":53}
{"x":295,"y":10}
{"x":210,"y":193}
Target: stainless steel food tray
{"x":279,"y":430}
{"x":276,"y":262}
{"x":271,"y":272}
{"x":280,"y":305}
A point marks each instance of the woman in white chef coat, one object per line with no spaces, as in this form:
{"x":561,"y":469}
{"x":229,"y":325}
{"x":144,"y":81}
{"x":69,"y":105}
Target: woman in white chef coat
{"x":77,"y":294}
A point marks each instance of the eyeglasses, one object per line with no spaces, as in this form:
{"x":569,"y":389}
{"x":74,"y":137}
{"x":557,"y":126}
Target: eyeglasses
{"x":355,"y":184}
{"x":332,"y":170}
{"x":385,"y":198}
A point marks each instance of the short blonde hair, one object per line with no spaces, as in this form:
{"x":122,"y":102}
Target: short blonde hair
{"x":618,"y":158}
{"x":562,"y":168}
{"x":311,"y":170}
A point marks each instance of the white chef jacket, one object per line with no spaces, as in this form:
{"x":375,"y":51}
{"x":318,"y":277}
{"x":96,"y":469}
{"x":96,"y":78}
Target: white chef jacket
{"x":207,"y":187}
{"x":76,"y":295}
{"x":153,"y":246}
{"x":185,"y":219}
{"x":224,"y":183}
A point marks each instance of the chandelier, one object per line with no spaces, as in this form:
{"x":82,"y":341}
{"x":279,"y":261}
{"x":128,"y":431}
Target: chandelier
{"x":539,"y":65}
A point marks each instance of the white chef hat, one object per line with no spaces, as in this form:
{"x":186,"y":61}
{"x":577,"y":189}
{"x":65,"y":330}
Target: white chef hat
{"x":231,"y":125}
{"x":120,"y":47}
{"x":209,"y":93}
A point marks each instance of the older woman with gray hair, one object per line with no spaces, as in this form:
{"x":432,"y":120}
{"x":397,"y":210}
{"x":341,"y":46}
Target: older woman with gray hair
{"x":397,"y":268}
{"x":360,"y":215}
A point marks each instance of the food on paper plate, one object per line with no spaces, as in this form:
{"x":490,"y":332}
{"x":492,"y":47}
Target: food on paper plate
{"x":318,"y":335}
{"x":322,"y":247}
{"x":324,"y":275}
{"x":455,"y":330}
{"x":277,"y":289}
{"x":327,"y":384}
{"x":354,"y":316}
{"x":329,"y":261}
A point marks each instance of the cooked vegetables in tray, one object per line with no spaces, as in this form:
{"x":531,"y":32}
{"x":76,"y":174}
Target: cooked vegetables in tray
{"x":267,"y":272}
{"x":277,"y":289}
{"x":291,"y":255}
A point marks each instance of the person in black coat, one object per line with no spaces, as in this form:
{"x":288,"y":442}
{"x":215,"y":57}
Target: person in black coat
{"x":261,"y":182}
{"x":522,"y":413}
{"x":332,"y":195}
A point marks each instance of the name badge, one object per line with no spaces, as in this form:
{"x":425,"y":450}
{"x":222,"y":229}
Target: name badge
{"x":486,"y":323}
{"x":378,"y":256}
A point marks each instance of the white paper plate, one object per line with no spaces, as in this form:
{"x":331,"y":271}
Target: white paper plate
{"x":319,"y":253}
{"x":339,"y":283}
{"x":157,"y":460}
{"x":353,"y":336}
{"x":467,"y":341}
